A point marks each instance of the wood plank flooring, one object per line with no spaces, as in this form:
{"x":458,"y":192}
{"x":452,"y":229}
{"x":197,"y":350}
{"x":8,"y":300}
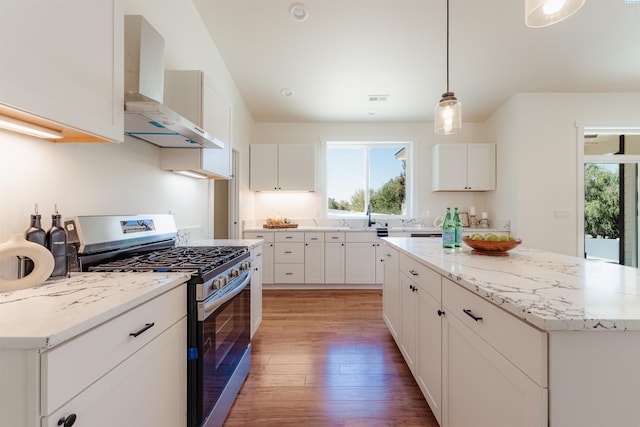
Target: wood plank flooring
{"x":326,"y":358}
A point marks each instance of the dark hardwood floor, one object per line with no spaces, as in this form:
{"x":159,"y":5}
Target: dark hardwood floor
{"x":326,"y":358}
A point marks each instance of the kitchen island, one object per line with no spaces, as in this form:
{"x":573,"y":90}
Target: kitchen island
{"x":530,"y":339}
{"x":94,"y":345}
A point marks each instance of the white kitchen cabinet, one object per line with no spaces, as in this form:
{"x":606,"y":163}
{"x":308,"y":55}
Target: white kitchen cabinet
{"x":380,"y":254}
{"x":282,"y":167}
{"x":391,"y":292}
{"x":490,"y":360}
{"x":360,"y":257}
{"x":289,"y":259}
{"x":334,"y":258}
{"x":464,"y":167}
{"x":193,"y":95}
{"x":428,"y":327}
{"x":409,"y":315}
{"x":106,"y":371}
{"x":314,"y":257}
{"x":267,"y":252}
{"x":256,"y":288}
{"x":64,"y":61}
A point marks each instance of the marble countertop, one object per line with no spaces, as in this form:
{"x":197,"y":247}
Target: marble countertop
{"x":47,"y":315}
{"x":250,"y":243}
{"x":552,"y":291}
{"x":407,"y":229}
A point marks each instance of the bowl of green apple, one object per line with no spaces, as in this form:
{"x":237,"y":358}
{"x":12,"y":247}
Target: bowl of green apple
{"x":490,"y":244}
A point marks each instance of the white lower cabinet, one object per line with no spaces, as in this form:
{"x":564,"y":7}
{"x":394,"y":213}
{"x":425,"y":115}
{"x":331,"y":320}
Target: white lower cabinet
{"x":146,"y":389}
{"x":313,"y":257}
{"x":484,"y":389}
{"x":267,"y":253}
{"x":475,"y":364}
{"x":105,"y":376}
{"x":334,"y":261}
{"x":256,"y":288}
{"x":391,"y":293}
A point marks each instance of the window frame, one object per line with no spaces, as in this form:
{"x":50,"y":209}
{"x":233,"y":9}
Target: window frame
{"x":366,"y":144}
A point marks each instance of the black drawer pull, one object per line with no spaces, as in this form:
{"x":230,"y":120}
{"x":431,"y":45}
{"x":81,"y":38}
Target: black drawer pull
{"x":470,"y":314}
{"x":440,"y":313}
{"x":68,"y":421}
{"x":413,"y":273}
{"x":146,"y":327}
{"x":287,"y":252}
{"x":288,"y":274}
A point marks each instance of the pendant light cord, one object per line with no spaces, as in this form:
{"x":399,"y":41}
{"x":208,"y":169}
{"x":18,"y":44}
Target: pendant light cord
{"x":447,"y":45}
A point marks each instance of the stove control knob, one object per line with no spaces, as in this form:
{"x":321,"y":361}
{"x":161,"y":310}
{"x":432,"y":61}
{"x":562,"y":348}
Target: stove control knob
{"x":224,"y":280}
{"x":245,"y":265}
{"x":217,"y":284}
{"x":235,"y":272}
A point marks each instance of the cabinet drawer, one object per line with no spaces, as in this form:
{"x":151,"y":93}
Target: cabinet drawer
{"x":289,"y":253}
{"x":362,"y":237}
{"x":390,"y":256}
{"x":289,"y":273}
{"x":334,"y":237}
{"x":522,"y":344}
{"x":288,"y":236}
{"x":422,"y":275}
{"x":313,"y":237}
{"x":266,"y":236}
{"x":71,"y":367}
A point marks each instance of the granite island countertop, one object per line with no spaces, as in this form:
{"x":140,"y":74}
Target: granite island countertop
{"x":60,"y":309}
{"x":551,"y":291}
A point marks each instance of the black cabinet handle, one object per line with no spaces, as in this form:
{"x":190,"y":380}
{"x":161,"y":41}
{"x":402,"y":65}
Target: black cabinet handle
{"x":413,"y":273}
{"x":470,"y":314}
{"x":146,"y":327}
{"x":68,"y":421}
{"x":440,"y":313}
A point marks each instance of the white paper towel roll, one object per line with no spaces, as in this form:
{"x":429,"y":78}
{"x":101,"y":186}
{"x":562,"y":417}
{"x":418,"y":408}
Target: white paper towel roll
{"x":42,"y":259}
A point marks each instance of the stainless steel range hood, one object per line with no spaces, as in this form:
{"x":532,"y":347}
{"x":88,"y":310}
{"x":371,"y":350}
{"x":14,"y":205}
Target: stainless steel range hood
{"x":145,"y":115}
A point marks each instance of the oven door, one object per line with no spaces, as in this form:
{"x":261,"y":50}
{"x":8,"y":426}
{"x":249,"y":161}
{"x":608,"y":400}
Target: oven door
{"x":223,"y":333}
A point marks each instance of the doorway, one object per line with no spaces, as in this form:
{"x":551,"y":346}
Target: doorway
{"x":610,"y":202}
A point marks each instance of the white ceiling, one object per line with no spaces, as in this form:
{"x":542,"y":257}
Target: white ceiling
{"x":349,"y":49}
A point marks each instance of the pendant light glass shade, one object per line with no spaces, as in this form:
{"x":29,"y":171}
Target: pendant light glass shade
{"x":448,"y":115}
{"x":540,"y":13}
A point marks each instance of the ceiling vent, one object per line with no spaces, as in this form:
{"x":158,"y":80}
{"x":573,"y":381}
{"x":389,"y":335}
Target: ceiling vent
{"x":378,"y":98}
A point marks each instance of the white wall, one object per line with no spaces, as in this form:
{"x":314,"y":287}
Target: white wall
{"x":538,"y":160}
{"x":87,"y":179}
{"x":310,"y":205}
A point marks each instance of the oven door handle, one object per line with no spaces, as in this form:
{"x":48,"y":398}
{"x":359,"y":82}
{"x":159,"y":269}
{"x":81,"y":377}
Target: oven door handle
{"x":208,"y":307}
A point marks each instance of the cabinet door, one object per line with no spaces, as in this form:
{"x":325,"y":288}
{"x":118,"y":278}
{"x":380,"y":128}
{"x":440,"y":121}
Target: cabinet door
{"x":449,"y":168}
{"x":481,"y":388}
{"x":256,"y":289}
{"x":267,"y":263}
{"x":297,"y":167}
{"x":263,"y":170}
{"x":217,"y":121}
{"x":147,"y":389}
{"x":380,"y":255}
{"x":334,"y":262}
{"x":429,"y":351}
{"x":408,"y":335}
{"x":481,"y":167}
{"x":392,"y":300}
{"x":64,"y":61}
{"x":360,"y":263}
{"x":314,"y":262}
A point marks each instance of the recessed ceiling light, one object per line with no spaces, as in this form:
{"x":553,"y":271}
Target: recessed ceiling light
{"x":372,"y":112}
{"x":298,"y":12}
{"x":286,"y":92}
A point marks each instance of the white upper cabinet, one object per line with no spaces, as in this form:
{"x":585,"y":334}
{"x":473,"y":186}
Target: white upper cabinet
{"x":63,"y":66}
{"x":193,"y":95}
{"x":283,"y":167}
{"x":464,"y":167}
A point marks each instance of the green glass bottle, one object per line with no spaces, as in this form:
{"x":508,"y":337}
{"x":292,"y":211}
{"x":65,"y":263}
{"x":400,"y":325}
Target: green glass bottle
{"x":457,"y":224}
{"x":448,"y":231}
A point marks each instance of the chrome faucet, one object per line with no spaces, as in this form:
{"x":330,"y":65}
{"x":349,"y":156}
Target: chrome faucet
{"x":370,"y":222}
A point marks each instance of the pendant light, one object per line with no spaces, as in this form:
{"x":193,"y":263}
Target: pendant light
{"x":448,"y":112}
{"x":540,"y":13}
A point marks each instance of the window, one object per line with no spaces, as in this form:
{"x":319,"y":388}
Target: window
{"x":363,"y":174}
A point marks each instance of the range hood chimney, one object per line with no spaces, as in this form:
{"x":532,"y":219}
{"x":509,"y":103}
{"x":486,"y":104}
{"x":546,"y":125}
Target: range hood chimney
{"x":145,"y":116}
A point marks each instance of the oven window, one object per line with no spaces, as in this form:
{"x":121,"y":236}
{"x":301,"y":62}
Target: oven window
{"x":224,"y":337}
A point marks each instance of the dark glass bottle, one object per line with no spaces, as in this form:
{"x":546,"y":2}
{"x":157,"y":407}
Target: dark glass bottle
{"x":56,"y":242}
{"x":34,"y":234}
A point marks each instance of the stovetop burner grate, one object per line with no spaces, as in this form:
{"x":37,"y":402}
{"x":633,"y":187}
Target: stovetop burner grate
{"x":200,"y":259}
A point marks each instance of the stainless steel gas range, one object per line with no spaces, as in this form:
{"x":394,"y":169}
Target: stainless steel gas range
{"x":218,"y":298}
